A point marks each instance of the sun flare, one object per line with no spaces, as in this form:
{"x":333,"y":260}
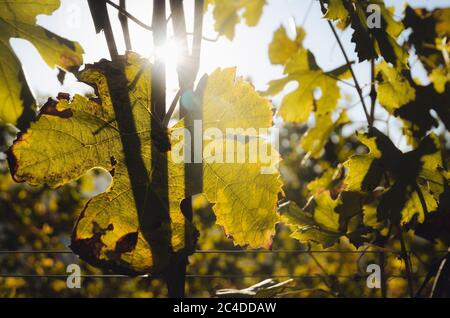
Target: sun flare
{"x":169,"y":52}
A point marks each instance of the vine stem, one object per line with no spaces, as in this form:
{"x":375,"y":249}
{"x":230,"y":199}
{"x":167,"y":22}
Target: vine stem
{"x":332,"y":285}
{"x":159,"y":69}
{"x":407,"y":260}
{"x":101,"y":20}
{"x":349,"y":65}
{"x":373,"y":92}
{"x":187,"y":69}
{"x":179,"y":30}
{"x":124,"y":23}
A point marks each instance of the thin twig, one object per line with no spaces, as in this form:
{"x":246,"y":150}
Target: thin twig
{"x":198,"y":37}
{"x":339,"y":80}
{"x":159,"y":68}
{"x":169,"y":113}
{"x":179,"y":30}
{"x":206,"y":38}
{"x":129,"y":16}
{"x":106,"y":23}
{"x":329,"y":281}
{"x":407,"y":260}
{"x":308,"y":11}
{"x":124,"y":23}
{"x":347,"y":60}
{"x":373,"y":92}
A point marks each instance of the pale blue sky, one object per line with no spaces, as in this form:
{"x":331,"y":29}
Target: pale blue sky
{"x":248,"y":51}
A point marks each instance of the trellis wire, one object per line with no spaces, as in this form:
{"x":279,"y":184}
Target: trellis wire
{"x":231,"y":276}
{"x":231,"y":252}
{"x":206,"y":276}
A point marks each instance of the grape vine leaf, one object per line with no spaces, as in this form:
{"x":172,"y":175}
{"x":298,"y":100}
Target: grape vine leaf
{"x":428,"y":28}
{"x":302,"y":68}
{"x":329,"y":180}
{"x":313,"y":142}
{"x":282,"y":48}
{"x":417,"y":180}
{"x":112,"y":230}
{"x":18,"y":20}
{"x":337,"y":11}
{"x":416,"y":114}
{"x":437,"y":224}
{"x":399,"y":93}
{"x":370,"y":42}
{"x":439,"y":77}
{"x":403,"y":97}
{"x":246,"y":210}
{"x":329,"y":220}
{"x":227,"y":14}
{"x":305,"y":228}
{"x":393,"y":89}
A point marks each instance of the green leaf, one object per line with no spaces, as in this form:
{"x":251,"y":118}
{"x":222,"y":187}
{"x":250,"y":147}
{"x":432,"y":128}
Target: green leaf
{"x":336,"y":11}
{"x":439,"y":77}
{"x":18,"y":20}
{"x":371,"y":217}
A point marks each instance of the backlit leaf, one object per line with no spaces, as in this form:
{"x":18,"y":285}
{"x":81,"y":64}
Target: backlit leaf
{"x":416,"y":182}
{"x":328,"y":222}
{"x":304,"y":227}
{"x":393,"y":89}
{"x":300,"y":103}
{"x":137,"y":223}
{"x":282,"y":48}
{"x":315,"y":139}
{"x":18,"y":20}
{"x":72,"y":137}
{"x":429,"y":29}
{"x":227,"y":14}
{"x":245,"y":193}
{"x":371,"y":41}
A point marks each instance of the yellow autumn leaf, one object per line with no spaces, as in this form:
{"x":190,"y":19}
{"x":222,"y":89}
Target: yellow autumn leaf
{"x":245,"y":192}
{"x":137,"y":223}
{"x":415,"y":179}
{"x":133,"y":226}
{"x":315,"y":138}
{"x":297,"y":105}
{"x":371,"y":41}
{"x":282,"y":48}
{"x":439,"y":77}
{"x":227,"y":14}
{"x":393,"y":89}
{"x":18,"y":20}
